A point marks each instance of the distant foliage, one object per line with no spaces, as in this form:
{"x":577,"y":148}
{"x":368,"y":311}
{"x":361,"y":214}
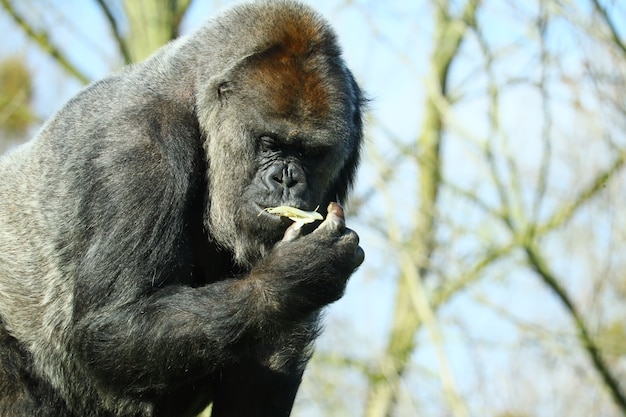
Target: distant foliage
{"x":15,"y":97}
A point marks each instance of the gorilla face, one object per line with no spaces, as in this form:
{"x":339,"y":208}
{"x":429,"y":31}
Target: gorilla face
{"x":285,"y":130}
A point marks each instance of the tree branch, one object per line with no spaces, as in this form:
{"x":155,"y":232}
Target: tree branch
{"x":605,"y":17}
{"x":566,"y":212}
{"x":121,"y":42}
{"x":43,"y":40}
{"x":382,"y":396}
{"x":541,"y":268}
{"x":546,"y":128}
{"x":179,"y":11}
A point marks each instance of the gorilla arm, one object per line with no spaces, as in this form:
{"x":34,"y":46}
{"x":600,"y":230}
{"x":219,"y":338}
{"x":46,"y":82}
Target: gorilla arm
{"x":269,"y":386}
{"x":252,"y":332}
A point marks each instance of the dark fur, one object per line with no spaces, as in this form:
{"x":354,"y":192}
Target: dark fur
{"x":137,"y":277}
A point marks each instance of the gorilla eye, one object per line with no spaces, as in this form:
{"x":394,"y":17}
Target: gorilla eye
{"x":268,"y":144}
{"x":313,"y":152}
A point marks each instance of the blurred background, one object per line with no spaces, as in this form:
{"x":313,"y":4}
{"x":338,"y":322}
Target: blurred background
{"x":488,"y":202}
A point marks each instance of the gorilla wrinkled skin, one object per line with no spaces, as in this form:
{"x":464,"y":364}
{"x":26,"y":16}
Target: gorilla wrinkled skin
{"x":139,"y":273}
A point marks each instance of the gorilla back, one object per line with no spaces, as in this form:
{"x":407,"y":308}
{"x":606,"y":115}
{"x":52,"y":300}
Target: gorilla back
{"x":139,"y":272}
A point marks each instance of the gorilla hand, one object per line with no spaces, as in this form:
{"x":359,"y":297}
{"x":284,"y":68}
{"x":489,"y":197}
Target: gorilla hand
{"x":307,"y":272}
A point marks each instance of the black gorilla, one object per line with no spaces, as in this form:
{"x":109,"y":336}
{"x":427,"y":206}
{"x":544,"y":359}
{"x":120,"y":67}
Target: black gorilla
{"x":139,"y":274}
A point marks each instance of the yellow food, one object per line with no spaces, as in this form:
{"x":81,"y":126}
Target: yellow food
{"x":297,"y":215}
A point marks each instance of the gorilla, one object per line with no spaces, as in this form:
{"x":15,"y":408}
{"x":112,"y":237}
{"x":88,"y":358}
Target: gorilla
{"x":140,"y":274}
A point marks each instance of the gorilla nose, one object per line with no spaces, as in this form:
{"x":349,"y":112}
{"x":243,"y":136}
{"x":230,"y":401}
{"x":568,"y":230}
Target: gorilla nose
{"x":285,"y":176}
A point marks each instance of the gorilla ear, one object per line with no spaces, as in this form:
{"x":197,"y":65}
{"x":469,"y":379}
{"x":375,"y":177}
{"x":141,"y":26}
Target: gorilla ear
{"x":223,"y":89}
{"x":222,"y":83}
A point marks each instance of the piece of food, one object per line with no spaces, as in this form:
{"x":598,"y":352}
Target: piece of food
{"x":297,"y":215}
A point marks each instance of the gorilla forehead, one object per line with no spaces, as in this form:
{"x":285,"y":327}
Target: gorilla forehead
{"x":272,"y":22}
{"x":292,"y":69}
{"x":291,"y":85}
{"x":286,"y":53}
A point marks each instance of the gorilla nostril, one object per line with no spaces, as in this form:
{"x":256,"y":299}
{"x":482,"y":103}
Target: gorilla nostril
{"x":285,"y":177}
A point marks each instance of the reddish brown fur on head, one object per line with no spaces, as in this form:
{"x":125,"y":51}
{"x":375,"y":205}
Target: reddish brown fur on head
{"x":288,"y":72}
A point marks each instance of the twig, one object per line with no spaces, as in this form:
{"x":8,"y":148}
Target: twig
{"x":43,"y":40}
{"x":546,"y":156}
{"x":424,"y":310}
{"x":541,"y":268}
{"x":566,"y":212}
{"x":121,"y":42}
{"x":614,"y":36}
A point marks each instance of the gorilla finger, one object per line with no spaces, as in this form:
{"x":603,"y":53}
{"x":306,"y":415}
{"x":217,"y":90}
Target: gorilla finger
{"x":336,"y":209}
{"x":335,"y":221}
{"x":350,"y":237}
{"x":347,"y":243}
{"x":359,"y":257}
{"x":293,"y":232}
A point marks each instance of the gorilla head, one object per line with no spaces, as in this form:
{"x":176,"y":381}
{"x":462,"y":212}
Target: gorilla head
{"x":139,"y":273}
{"x":287,"y":110}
